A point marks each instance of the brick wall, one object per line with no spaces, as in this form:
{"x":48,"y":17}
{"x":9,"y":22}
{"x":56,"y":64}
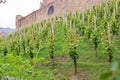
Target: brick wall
{"x":61,"y":7}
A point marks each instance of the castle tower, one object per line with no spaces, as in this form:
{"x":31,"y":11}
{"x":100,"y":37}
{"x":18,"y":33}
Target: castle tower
{"x":18,"y":18}
{"x":45,"y":2}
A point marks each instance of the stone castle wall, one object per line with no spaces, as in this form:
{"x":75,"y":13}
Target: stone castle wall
{"x":61,"y":7}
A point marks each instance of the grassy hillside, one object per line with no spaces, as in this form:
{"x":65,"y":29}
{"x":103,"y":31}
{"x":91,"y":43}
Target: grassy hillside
{"x":54,"y":49}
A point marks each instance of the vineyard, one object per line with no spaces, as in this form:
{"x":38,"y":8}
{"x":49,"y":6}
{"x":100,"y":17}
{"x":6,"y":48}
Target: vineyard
{"x":82,"y":45}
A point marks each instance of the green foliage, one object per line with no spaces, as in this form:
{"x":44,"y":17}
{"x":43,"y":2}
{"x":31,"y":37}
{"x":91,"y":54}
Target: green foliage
{"x":73,"y":54}
{"x":14,"y":66}
{"x":5,"y":51}
{"x":114,"y":74}
{"x":36,"y":42}
{"x":106,"y":76}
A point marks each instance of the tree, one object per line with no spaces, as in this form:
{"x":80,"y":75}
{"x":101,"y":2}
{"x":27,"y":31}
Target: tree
{"x":2,"y":1}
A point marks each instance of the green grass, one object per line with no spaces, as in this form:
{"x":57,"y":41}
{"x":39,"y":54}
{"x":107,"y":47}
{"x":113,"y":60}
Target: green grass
{"x":89,"y":66}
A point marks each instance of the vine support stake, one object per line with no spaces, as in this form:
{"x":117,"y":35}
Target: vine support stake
{"x":96,"y":11}
{"x":116,"y":5}
{"x":32,"y":38}
{"x":105,"y":9}
{"x":39,"y":28}
{"x":109,"y":49}
{"x":95,"y":36}
{"x":95,"y":22}
{"x":114,"y":13}
{"x":109,"y":34}
{"x":52,"y":45}
{"x":88,"y":28}
{"x":88,"y":20}
{"x":90,"y":12}
{"x":75,"y":59}
{"x":83,"y":17}
{"x":70,"y":26}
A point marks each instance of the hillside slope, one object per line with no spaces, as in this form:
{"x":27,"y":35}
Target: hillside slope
{"x":54,"y":49}
{"x":6,"y":30}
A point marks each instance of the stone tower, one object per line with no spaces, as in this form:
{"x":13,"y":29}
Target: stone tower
{"x":18,"y":18}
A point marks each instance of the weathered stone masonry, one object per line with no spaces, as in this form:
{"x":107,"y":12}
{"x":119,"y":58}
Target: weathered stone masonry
{"x":58,"y":8}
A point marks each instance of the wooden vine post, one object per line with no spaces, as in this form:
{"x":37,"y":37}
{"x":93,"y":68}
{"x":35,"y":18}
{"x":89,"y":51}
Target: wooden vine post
{"x":88,"y":21}
{"x":83,"y":18}
{"x":23,"y":42}
{"x":96,"y":12}
{"x":31,"y":48}
{"x":95,"y":37}
{"x":12,"y":37}
{"x":75,"y":58}
{"x":12,"y":47}
{"x":32,"y":38}
{"x":66,"y":26}
{"x":25,"y":33}
{"x":39,"y":29}
{"x":105,"y":10}
{"x":88,"y":29}
{"x":109,"y":45}
{"x":95,"y":23}
{"x":20,"y":39}
{"x":114,"y":14}
{"x":83,"y":22}
{"x":116,"y":5}
{"x":71,"y":27}
{"x":52,"y":44}
{"x":108,"y":34}
{"x":19,"y":44}
{"x":73,"y":54}
{"x":5,"y":38}
{"x":66,"y":22}
{"x":90,"y":12}
{"x":5,"y":48}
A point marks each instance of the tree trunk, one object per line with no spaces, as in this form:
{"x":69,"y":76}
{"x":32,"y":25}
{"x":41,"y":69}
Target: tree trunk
{"x":52,"y":63}
{"x":52,"y":55}
{"x":88,"y":42}
{"x":75,"y":66}
{"x":31,"y":62}
{"x":96,"y":51}
{"x":114,"y":37}
{"x":110,"y":58}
